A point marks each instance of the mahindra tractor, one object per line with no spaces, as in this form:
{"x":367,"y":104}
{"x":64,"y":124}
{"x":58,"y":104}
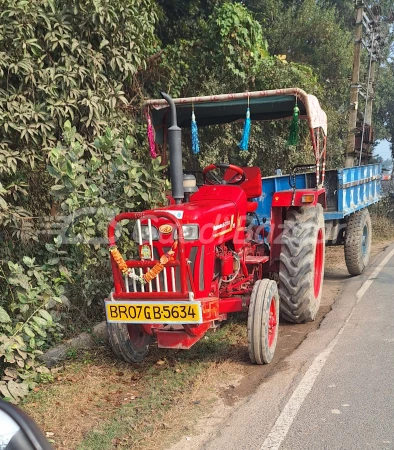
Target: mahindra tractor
{"x":206,"y":254}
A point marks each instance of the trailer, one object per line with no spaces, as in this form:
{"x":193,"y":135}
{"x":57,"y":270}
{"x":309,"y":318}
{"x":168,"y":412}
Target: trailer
{"x":349,"y":193}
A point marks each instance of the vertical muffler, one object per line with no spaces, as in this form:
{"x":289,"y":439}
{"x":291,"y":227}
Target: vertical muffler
{"x":175,"y":148}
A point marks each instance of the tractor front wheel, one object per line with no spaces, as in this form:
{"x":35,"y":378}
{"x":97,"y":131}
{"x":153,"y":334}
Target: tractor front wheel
{"x":129,"y":342}
{"x":263,"y":321}
{"x":358,"y":242}
{"x":301,"y":267}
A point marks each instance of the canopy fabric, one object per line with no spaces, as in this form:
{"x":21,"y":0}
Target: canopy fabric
{"x":227,"y":108}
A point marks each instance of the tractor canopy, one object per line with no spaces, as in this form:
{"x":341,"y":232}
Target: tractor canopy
{"x":219,"y":109}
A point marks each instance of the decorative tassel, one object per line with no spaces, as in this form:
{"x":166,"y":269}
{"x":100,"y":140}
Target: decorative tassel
{"x":195,"y":143}
{"x":293,"y":137}
{"x":244,"y":143}
{"x":151,"y":139}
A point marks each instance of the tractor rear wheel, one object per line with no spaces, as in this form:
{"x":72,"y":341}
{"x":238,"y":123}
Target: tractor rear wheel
{"x":301,"y":267}
{"x":263,"y":321}
{"x":358,"y":242}
{"x":129,"y":342}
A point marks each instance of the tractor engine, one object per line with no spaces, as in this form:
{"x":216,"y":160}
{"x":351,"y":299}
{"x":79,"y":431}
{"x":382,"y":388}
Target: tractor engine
{"x":229,"y":264}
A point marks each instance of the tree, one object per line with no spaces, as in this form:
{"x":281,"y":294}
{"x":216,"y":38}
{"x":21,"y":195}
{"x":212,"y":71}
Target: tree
{"x":63,"y":61}
{"x":384,"y":104}
{"x":59,"y":60}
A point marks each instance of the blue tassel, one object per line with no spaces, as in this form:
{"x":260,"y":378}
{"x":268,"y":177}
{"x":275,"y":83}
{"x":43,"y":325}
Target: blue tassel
{"x":195,"y":143}
{"x":243,"y":145}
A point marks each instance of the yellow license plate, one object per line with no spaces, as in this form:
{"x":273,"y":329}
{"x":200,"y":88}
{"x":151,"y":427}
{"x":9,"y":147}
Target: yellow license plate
{"x":153,"y":312}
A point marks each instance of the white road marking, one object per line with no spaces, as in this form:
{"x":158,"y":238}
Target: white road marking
{"x":283,"y":423}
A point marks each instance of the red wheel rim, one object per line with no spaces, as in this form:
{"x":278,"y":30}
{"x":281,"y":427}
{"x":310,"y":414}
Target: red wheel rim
{"x":318,"y":263}
{"x":137,"y":335}
{"x":272,"y":323}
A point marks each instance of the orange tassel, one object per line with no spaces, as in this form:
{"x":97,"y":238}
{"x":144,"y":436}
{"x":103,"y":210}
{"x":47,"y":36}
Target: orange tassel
{"x":152,"y":273}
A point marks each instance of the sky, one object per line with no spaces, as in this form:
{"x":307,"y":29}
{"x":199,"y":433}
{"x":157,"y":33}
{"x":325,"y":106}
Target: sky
{"x":383,"y":149}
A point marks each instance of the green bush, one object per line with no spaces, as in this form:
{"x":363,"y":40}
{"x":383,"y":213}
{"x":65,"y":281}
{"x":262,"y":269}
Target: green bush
{"x":60,"y":60}
{"x":30,"y":314}
{"x":93,"y":184}
{"x":63,"y":61}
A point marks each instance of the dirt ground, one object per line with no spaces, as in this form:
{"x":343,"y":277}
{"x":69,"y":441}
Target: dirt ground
{"x":90,"y":392}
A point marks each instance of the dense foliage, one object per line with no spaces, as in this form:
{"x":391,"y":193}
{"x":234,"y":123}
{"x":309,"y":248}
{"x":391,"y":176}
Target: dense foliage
{"x":73,"y":150}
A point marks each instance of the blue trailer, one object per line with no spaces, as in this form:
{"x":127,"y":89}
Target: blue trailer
{"x":349,"y":192}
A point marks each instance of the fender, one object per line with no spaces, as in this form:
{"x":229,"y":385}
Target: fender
{"x":300,"y":197}
{"x":281,"y":201}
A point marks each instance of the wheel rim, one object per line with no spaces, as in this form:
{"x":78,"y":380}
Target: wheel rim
{"x":364,"y":241}
{"x":137,"y":337}
{"x":318,"y":263}
{"x":272,"y":323}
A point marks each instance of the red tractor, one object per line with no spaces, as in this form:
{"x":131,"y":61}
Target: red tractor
{"x":206,"y":254}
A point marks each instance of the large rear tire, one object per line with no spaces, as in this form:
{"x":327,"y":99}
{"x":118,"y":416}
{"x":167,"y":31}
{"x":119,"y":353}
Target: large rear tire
{"x":129,"y":342}
{"x":263,"y":321}
{"x":358,"y":237}
{"x":301,"y":267}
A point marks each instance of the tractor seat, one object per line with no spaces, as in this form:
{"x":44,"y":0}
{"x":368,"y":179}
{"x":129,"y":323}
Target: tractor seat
{"x":252,"y":186}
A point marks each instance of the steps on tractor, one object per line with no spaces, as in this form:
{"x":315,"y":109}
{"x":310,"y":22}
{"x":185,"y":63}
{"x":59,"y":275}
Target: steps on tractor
{"x":256,"y":259}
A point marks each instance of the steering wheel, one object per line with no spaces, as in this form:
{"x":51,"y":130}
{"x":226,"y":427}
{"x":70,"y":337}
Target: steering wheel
{"x":211,"y":178}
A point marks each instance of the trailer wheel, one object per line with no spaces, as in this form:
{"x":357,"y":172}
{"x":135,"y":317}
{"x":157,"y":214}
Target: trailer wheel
{"x":263,"y":321}
{"x":301,"y":267}
{"x":129,"y":342}
{"x":358,"y":241}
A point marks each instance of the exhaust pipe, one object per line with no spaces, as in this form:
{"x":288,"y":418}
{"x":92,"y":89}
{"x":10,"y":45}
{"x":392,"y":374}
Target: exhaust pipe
{"x":175,"y":148}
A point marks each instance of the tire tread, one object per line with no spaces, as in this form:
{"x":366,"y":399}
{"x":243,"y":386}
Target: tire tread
{"x":296,"y":280}
{"x":355,"y":262}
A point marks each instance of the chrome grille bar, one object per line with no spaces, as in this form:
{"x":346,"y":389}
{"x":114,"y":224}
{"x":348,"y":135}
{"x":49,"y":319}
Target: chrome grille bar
{"x":173,"y":279}
{"x":134,"y":283}
{"x":126,"y":283}
{"x":165,"y":279}
{"x":151,"y":248}
{"x":140,"y":242}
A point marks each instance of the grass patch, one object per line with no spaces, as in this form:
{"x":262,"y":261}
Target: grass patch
{"x":134,"y":422}
{"x":382,"y":216}
{"x":97,"y":402}
{"x":166,"y":383}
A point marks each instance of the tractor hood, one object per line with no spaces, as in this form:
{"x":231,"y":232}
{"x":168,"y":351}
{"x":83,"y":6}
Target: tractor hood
{"x":201,"y":212}
{"x":217,"y":210}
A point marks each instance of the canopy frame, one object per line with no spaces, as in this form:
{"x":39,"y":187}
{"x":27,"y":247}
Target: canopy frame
{"x":227,"y":108}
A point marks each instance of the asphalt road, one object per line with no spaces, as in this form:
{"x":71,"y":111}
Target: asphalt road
{"x":336,"y":391}
{"x":351,"y":405}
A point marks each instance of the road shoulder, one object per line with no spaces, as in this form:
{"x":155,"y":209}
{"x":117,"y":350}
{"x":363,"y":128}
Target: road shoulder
{"x":264,"y":406}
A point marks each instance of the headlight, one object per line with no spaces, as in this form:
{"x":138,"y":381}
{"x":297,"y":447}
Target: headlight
{"x":190,"y":232}
{"x":145,"y":233}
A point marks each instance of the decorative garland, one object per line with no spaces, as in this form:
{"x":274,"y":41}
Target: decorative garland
{"x":152,"y":273}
